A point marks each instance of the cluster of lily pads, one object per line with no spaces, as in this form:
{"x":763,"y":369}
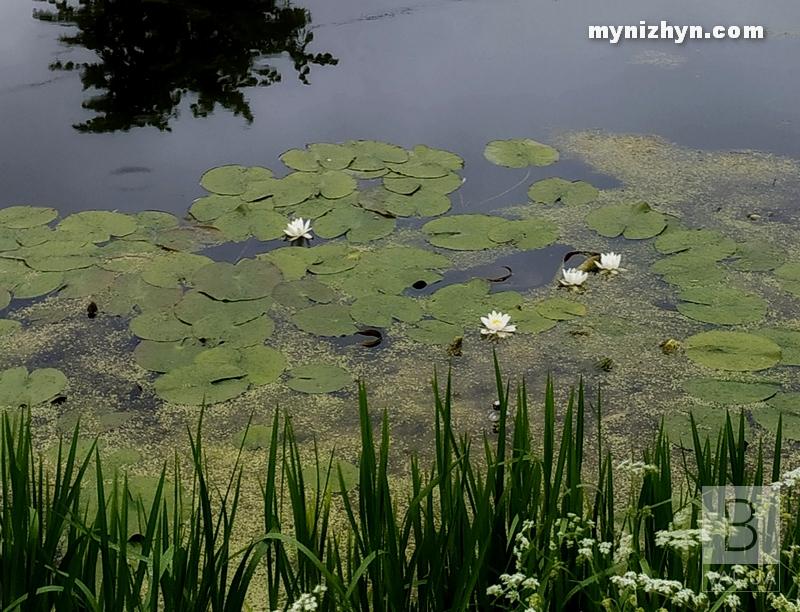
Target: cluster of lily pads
{"x":205,"y":328}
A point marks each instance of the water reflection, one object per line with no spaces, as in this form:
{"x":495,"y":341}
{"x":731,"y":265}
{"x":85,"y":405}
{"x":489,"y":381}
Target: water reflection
{"x":151,"y":53}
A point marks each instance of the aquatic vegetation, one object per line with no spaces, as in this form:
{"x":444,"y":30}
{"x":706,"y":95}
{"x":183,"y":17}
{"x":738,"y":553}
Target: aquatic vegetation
{"x":497,"y":324}
{"x":633,"y":221}
{"x":610,"y":262}
{"x":736,"y":351}
{"x":20,"y":388}
{"x":560,"y":191}
{"x":520,"y":153}
{"x":572,"y":277}
{"x":520,"y":511}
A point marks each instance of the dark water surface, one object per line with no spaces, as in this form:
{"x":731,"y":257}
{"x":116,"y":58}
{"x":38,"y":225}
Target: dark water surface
{"x":448,"y":73}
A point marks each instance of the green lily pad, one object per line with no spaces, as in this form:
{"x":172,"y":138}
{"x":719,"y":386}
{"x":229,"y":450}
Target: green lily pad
{"x":405,"y":185}
{"x":293,"y":262}
{"x":20,"y":388}
{"x":254,"y":437}
{"x":432,"y":331}
{"x":424,"y":154}
{"x":5,"y":298}
{"x":789,"y":276}
{"x":161,"y":326}
{"x":689,"y":269}
{"x":529,"y":321}
{"x":785,"y":404}
{"x":332,"y":156}
{"x":131,"y":294}
{"x":201,"y":384}
{"x":233,"y":179}
{"x":38,"y":284}
{"x":318,"y":378}
{"x":730,"y":392}
{"x":98,"y":225}
{"x":303,"y":293}
{"x":737,"y":351}
{"x":249,"y":279}
{"x":758,"y":256}
{"x":708,"y":242}
{"x":463,"y":232}
{"x":360,"y":225}
{"x":326,"y":475}
{"x":196,"y":306}
{"x":559,"y":191}
{"x":520,"y":153}
{"x":633,"y":221}
{"x":325,"y":320}
{"x":423,"y":203}
{"x":173,"y":270}
{"x":721,"y":305}
{"x":9,"y":326}
{"x":336,"y":184}
{"x":213,"y":206}
{"x":249,"y":220}
{"x":166,"y":356}
{"x":332,"y":259}
{"x":381,"y":151}
{"x":300,"y":160}
{"x":379,"y":310}
{"x":788,"y":340}
{"x":526,"y":234}
{"x":464,"y":304}
{"x":262,"y":364}
{"x":294,"y":189}
{"x":23,"y":217}
{"x":215,"y":330}
{"x":83,"y":283}
{"x":560,"y":309}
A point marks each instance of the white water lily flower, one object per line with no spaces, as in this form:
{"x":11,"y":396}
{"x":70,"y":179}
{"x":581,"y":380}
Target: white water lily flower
{"x":297,"y":229}
{"x":609,"y":262}
{"x":572,"y":277}
{"x":496,"y":324}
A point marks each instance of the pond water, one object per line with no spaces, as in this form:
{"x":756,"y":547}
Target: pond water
{"x":452,"y":75}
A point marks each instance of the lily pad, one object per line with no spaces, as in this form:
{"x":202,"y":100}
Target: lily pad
{"x":332,"y":259}
{"x":789,"y":276}
{"x":788,"y":340}
{"x":758,"y":256}
{"x":559,"y":191}
{"x":166,"y":356}
{"x":422,"y":203}
{"x":161,"y":326}
{"x":9,"y":326}
{"x":529,"y":321}
{"x":730,"y":392}
{"x":785,"y":404}
{"x":249,"y":279}
{"x":293,"y":262}
{"x":431,"y":331}
{"x":560,"y":309}
{"x":254,"y":437}
{"x":19,"y":388}
{"x":721,"y":305}
{"x":233,"y":179}
{"x":464,"y":304}
{"x":251,"y":220}
{"x":213,"y":206}
{"x":131,"y":294}
{"x":22,"y":217}
{"x":360,"y":225}
{"x":520,"y":153}
{"x":379,"y":310}
{"x":633,"y":221}
{"x":326,"y":474}
{"x":737,"y":351}
{"x":173,"y":270}
{"x":318,"y":378}
{"x":303,"y":293}
{"x":294,"y":189}
{"x":262,"y":364}
{"x":689,"y":269}
{"x":463,"y":232}
{"x":195,"y":306}
{"x":325,"y":320}
{"x":381,"y":151}
{"x":332,"y":156}
{"x":336,"y":184}
{"x":215,"y":330}
{"x":38,"y":284}
{"x":526,"y":234}
{"x":83,"y":283}
{"x":201,"y":384}
{"x":710,"y":243}
{"x":98,"y":225}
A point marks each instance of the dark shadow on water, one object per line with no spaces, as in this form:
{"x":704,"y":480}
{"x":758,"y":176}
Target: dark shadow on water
{"x":152,"y":53}
{"x":515,"y":272}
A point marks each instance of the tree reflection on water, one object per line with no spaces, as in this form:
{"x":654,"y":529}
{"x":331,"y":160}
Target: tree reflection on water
{"x":151,"y":53}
